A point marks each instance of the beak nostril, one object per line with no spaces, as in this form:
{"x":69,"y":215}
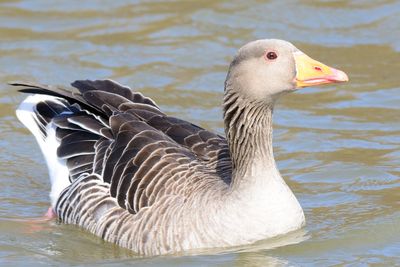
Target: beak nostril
{"x":317,"y":68}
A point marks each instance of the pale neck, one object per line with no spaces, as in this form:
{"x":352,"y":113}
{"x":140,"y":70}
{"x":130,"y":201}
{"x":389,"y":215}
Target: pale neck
{"x":248,"y":128}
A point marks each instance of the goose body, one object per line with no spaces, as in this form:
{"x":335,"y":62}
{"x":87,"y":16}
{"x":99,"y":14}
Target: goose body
{"x":129,"y":173}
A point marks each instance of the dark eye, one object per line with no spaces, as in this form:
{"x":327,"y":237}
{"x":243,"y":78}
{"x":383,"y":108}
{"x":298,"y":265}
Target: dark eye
{"x":271,"y":55}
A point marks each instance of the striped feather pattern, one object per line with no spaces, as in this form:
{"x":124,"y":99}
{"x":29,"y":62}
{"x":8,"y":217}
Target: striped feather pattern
{"x":122,"y":169}
{"x":128,"y":161}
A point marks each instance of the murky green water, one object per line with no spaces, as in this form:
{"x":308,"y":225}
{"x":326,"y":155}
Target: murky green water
{"x":337,"y":146}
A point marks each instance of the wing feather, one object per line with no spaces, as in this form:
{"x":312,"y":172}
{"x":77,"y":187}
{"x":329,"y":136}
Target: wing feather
{"x":111,"y":135}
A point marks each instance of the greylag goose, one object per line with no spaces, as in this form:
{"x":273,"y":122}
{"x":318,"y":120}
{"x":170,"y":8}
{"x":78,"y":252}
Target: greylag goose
{"x":127,"y":172}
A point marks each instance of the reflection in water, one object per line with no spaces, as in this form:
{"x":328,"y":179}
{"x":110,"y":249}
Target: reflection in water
{"x":337,"y":146}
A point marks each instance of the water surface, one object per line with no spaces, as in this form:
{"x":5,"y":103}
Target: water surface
{"x":338,"y":147}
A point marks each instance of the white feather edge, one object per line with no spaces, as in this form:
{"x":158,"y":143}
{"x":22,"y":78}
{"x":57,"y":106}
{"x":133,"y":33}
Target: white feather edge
{"x":57,"y":168}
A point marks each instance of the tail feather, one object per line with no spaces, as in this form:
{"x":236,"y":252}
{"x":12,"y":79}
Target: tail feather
{"x":72,"y":126}
{"x":45,"y":133}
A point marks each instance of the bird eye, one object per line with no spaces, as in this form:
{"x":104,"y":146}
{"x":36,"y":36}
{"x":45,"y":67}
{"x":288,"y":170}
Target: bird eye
{"x":271,"y":55}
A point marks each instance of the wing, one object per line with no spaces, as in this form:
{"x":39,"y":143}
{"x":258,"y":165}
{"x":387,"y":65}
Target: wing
{"x":107,"y":130}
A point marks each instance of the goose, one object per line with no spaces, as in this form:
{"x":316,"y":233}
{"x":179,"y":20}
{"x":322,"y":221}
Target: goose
{"x":125,"y":171}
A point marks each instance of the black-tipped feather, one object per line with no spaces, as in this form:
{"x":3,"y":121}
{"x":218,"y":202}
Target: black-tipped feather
{"x":141,"y":153}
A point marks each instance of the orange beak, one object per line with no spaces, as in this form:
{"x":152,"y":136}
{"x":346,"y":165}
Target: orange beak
{"x":310,"y":72}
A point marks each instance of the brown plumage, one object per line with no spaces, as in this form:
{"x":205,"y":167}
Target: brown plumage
{"x":127,"y":172}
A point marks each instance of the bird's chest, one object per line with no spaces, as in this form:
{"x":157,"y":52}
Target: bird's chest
{"x":262,"y":212}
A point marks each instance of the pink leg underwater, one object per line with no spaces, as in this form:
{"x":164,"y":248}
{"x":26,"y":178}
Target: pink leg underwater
{"x":50,"y":214}
{"x":39,"y":224}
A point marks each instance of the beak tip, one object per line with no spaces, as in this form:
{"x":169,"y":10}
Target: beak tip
{"x":345,"y":78}
{"x":340,"y":76}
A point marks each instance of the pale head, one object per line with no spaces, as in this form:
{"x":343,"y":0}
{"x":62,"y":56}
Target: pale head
{"x":263,"y":70}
